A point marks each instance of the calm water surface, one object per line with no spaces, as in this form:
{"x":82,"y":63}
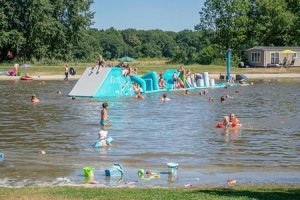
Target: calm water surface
{"x":148,"y":134}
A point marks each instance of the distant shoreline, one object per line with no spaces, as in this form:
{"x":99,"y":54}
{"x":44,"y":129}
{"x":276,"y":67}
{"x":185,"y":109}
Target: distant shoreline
{"x":214,"y":76}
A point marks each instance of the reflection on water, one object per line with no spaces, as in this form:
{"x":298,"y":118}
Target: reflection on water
{"x":148,"y":134}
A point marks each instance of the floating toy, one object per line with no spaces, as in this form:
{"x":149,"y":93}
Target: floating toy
{"x":141,"y":172}
{"x":1,"y":157}
{"x":72,"y":71}
{"x":111,"y":82}
{"x":188,"y":185}
{"x":220,"y":125}
{"x":99,"y":144}
{"x":115,"y":170}
{"x":88,"y":172}
{"x":172,"y":168}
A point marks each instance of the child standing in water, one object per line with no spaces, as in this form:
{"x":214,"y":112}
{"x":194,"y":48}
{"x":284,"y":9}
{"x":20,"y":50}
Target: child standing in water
{"x":103,"y":124}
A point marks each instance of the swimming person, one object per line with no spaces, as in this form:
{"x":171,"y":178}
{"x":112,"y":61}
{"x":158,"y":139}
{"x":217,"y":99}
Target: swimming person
{"x":223,"y":99}
{"x":233,"y":120}
{"x":226,"y":121}
{"x":164,"y":98}
{"x":139,"y":96}
{"x":34,"y":99}
{"x":103,"y":123}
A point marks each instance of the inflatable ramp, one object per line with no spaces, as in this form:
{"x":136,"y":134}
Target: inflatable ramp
{"x":89,"y":82}
{"x":107,"y":82}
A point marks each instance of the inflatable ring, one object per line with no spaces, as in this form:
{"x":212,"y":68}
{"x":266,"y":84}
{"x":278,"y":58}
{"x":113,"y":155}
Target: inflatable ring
{"x":72,"y":71}
{"x":220,"y":125}
{"x":26,"y":78}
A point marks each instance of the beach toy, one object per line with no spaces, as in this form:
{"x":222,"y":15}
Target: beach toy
{"x":141,"y":172}
{"x":220,"y":125}
{"x":1,"y":157}
{"x":115,"y":170}
{"x":172,"y":168}
{"x":88,"y":171}
{"x":109,"y":140}
{"x":188,"y":185}
{"x":97,"y":144}
{"x":231,"y":181}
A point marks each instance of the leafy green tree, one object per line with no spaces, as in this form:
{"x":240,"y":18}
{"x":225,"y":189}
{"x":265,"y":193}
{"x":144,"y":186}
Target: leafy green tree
{"x":112,"y":43}
{"x":274,"y":23}
{"x":42,"y":29}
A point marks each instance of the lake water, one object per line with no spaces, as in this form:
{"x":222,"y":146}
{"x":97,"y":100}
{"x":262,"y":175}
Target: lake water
{"x":148,"y":134}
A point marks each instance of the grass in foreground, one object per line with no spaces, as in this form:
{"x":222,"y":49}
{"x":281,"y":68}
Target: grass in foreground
{"x":146,"y":66}
{"x":243,"y":192}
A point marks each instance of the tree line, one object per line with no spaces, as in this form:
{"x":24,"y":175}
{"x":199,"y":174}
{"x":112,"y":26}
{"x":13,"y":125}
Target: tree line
{"x":47,"y":30}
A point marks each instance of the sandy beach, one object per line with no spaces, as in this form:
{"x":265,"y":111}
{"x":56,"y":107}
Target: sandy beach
{"x":215,"y":76}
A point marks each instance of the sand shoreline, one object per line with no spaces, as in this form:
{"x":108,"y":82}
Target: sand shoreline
{"x":215,"y":76}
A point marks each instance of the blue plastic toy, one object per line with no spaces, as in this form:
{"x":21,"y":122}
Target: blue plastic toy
{"x":108,"y":142}
{"x":115,"y":170}
{"x":1,"y":157}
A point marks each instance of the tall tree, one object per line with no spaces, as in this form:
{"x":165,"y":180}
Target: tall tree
{"x":43,"y":28}
{"x":274,"y":23}
{"x":226,"y":23}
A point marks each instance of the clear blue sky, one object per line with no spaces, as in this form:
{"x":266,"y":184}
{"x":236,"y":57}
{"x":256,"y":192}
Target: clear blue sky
{"x":167,"y":15}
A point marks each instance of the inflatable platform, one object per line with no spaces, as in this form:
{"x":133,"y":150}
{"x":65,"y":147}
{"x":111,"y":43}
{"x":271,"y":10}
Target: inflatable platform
{"x":111,"y":82}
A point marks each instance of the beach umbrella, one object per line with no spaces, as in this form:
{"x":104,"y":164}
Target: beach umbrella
{"x":126,"y":59}
{"x":287,"y":52}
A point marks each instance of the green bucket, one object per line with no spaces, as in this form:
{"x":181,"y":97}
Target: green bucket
{"x":88,"y":171}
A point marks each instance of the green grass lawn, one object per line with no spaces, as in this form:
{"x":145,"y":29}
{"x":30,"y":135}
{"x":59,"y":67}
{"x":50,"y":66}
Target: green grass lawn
{"x":145,"y":66}
{"x":243,"y":192}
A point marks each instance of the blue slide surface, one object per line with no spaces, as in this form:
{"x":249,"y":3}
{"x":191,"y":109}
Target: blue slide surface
{"x":139,"y":81}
